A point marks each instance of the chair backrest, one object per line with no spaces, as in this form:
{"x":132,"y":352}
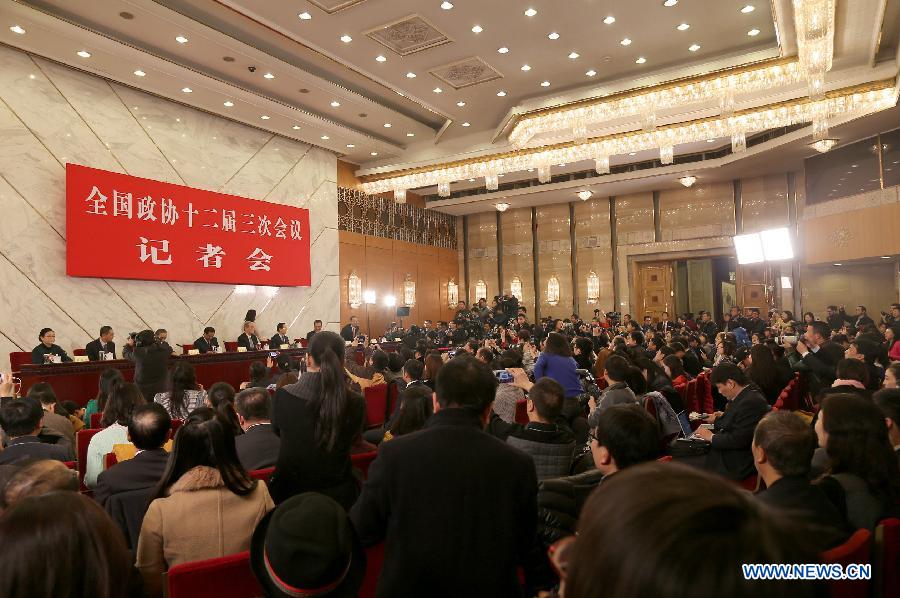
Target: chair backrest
{"x":213,"y":578}
{"x":392,"y":398}
{"x":262,"y":474}
{"x":691,"y":402}
{"x":681,"y":389}
{"x":19,"y":358}
{"x":95,"y":420}
{"x":361,"y":461}
{"x":855,"y":550}
{"x":176,"y":423}
{"x":887,"y":556}
{"x":69,"y":464}
{"x":304,"y":343}
{"x":665,"y":459}
{"x":231,"y":346}
{"x":376,"y":403}
{"x":374,"y":562}
{"x":82,"y":440}
{"x":79,"y":352}
{"x":109,"y":460}
{"x":704,"y":394}
{"x":186,"y":348}
{"x":522,"y":411}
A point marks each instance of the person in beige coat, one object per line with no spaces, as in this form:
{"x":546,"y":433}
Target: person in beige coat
{"x":205,"y":506}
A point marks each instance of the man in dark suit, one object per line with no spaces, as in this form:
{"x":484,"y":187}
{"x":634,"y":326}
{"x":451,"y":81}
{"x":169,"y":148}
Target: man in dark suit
{"x":456,"y":507}
{"x":21,"y":420}
{"x":258,"y":446}
{"x":732,"y":432}
{"x":783,"y":447}
{"x":208,"y":343}
{"x":317,"y":327}
{"x":351,"y":330}
{"x":665,"y":324}
{"x":755,"y":324}
{"x":280,"y":337}
{"x":103,"y":344}
{"x":708,"y":326}
{"x":819,"y":354}
{"x":248,"y":338}
{"x":147,"y":430}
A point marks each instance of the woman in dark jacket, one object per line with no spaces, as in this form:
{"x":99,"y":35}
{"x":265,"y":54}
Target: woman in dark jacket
{"x":317,"y":419}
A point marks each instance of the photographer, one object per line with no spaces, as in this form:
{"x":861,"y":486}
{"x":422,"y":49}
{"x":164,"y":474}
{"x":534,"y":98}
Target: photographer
{"x":151,"y":359}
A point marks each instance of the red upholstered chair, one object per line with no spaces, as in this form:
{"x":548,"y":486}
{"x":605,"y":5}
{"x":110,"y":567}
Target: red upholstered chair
{"x":303,"y":342}
{"x":82,"y":440}
{"x":855,"y":550}
{"x":95,"y":420}
{"x":231,"y":346}
{"x":263,"y":475}
{"x":79,"y":352}
{"x":887,"y":556}
{"x":69,"y":464}
{"x":376,"y":404}
{"x":750,"y":482}
{"x":362,"y":461}
{"x":681,"y":389}
{"x":186,"y":348}
{"x":374,"y":562}
{"x":691,"y":402}
{"x":19,"y":358}
{"x":109,"y":460}
{"x":392,"y":398}
{"x":213,"y":578}
{"x":704,"y":394}
{"x":665,"y":459}
{"x":176,"y":423}
{"x":522,"y":411}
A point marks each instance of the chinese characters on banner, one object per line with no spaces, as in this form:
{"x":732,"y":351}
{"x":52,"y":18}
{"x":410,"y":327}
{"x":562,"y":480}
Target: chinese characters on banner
{"x":120,"y":226}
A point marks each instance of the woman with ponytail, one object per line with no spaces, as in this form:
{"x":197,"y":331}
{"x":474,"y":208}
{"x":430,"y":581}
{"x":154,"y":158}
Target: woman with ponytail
{"x":317,"y":419}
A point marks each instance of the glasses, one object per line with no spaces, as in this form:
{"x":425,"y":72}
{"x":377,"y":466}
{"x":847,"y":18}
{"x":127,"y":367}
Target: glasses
{"x":560,"y":554}
{"x":592,"y":437}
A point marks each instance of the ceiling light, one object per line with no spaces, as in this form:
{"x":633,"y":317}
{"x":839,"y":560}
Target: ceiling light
{"x":753,"y":32}
{"x":446,"y":5}
{"x":465,"y":124}
{"x":140,"y":73}
{"x":670,"y":2}
{"x":530,"y":12}
{"x":574,"y":55}
{"x":545,"y":84}
{"x":838,"y":264}
{"x":228,"y":104}
{"x":269,"y":76}
{"x":591,"y":73}
{"x":694,"y":47}
{"x":181,"y":39}
{"x":187,"y":90}
{"x":437,"y":90}
{"x":84,"y":53}
{"x":885,"y":257}
{"x":325,"y":138}
{"x":265,"y":117}
{"x":304,"y":16}
{"x":477,"y":29}
{"x":584,"y":194}
{"x":387,"y":125}
{"x":17,"y":29}
{"x":553,"y":35}
{"x":747,"y":9}
{"x":410,"y":134}
{"x":501,"y":207}
{"x":625,"y":42}
{"x":296,"y":127}
{"x":346,"y":38}
{"x":609,"y":20}
{"x":525,"y":67}
{"x":373,"y":153}
{"x":632,"y":153}
{"x":503,"y":50}
{"x":350,"y":146}
{"x":687,"y":181}
{"x":501,"y":93}
{"x":380,"y":58}
{"x":410,"y":75}
{"x":335,"y":104}
{"x":683,"y":27}
{"x":823,"y":145}
{"x":460,"y":103}
{"x":641,"y":60}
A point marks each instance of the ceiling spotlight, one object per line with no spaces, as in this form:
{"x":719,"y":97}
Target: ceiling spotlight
{"x":687,"y":181}
{"x":410,"y":134}
{"x":632,"y":153}
{"x":304,"y":16}
{"x":753,"y":32}
{"x":477,"y":29}
{"x":84,"y":53}
{"x":410,"y":75}
{"x":181,"y":39}
{"x":670,"y":2}
{"x":710,"y":141}
{"x":265,"y":117}
{"x":501,"y":93}
{"x":228,"y":104}
{"x":526,"y":67}
{"x":823,"y":145}
{"x":748,"y":9}
{"x":609,"y":20}
{"x":187,"y":90}
{"x":350,"y":146}
{"x":325,"y":138}
{"x":694,"y":47}
{"x":553,"y":35}
{"x":545,"y":84}
{"x":380,"y":58}
{"x":530,"y":12}
{"x":335,"y":104}
{"x":838,"y":264}
{"x":446,"y":5}
{"x":466,"y":124}
{"x":269,"y":76}
{"x":585,"y":194}
{"x":140,"y":73}
{"x":17,"y":29}
{"x":503,"y":50}
{"x":885,"y":257}
{"x":683,"y":27}
{"x":640,"y":60}
{"x":373,"y":153}
{"x":501,"y":207}
{"x":591,"y":73}
{"x":574,"y":55}
{"x":387,"y":125}
{"x":296,"y":127}
{"x":437,"y":90}
{"x":460,"y":103}
{"x":625,"y":42}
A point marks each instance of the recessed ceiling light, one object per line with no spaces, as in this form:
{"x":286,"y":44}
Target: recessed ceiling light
{"x":181,"y":39}
{"x":885,"y":257}
{"x":325,"y":138}
{"x":501,"y":93}
{"x":140,"y":73}
{"x":346,"y":38}
{"x":84,"y":53}
{"x":710,"y":141}
{"x":446,"y":5}
{"x":410,"y":75}
{"x":17,"y":29}
{"x":641,"y":60}
{"x":296,"y":127}
{"x":187,"y":89}
{"x":410,"y":134}
{"x":553,"y":35}
{"x":381,"y":58}
{"x":683,"y":27}
{"x":632,"y":153}
{"x":670,"y":2}
{"x":625,"y":42}
{"x":584,"y":194}
{"x":748,"y":9}
{"x":526,"y":67}
{"x":465,"y":124}
{"x":350,"y":145}
{"x":694,"y":47}
{"x":838,"y":264}
{"x":269,"y":76}
{"x":373,"y":153}
{"x":477,"y":29}
{"x":460,"y":103}
{"x":437,"y":90}
{"x":503,"y":50}
{"x":574,"y":55}
{"x":545,"y":84}
{"x":335,"y":104}
{"x":387,"y":125}
{"x":304,"y":16}
{"x":265,"y":117}
{"x":530,"y":12}
{"x":753,"y":32}
{"x":688,"y":180}
{"x":609,"y":20}
{"x":591,"y":73}
{"x":228,"y":104}
{"x":471,"y":180}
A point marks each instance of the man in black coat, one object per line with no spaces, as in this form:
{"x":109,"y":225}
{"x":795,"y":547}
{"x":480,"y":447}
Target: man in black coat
{"x":208,"y":343}
{"x":732,"y":432}
{"x":21,"y":421}
{"x":708,"y":326}
{"x":103,"y":344}
{"x":456,"y":507}
{"x":280,"y":337}
{"x":258,"y":446}
{"x":248,"y":338}
{"x":351,"y":330}
{"x":819,"y":354}
{"x":147,"y":430}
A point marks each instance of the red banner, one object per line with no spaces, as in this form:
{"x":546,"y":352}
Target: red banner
{"x":121,"y":226}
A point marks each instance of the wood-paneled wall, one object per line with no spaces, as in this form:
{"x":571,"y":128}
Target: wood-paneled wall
{"x":866,"y":233}
{"x":382,"y":265}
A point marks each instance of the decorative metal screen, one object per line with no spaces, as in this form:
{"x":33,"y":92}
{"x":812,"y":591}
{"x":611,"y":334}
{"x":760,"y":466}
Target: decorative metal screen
{"x":383,"y":217}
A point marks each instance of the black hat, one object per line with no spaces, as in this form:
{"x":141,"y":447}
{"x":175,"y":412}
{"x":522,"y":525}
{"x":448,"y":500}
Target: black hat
{"x":307,"y":547}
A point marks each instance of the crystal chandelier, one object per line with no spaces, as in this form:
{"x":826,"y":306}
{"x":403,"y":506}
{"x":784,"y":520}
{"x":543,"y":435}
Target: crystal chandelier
{"x":452,"y":293}
{"x":400,"y":195}
{"x":593,"y":288}
{"x":515,"y":287}
{"x":409,"y":291}
{"x":480,"y":290}
{"x":354,"y":290}
{"x":814,"y":26}
{"x":553,"y":290}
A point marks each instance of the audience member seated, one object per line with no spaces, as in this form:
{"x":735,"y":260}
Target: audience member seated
{"x":259,"y":376}
{"x":37,"y":478}
{"x":258,"y":446}
{"x":867,"y":352}
{"x":732,"y":434}
{"x":433,"y":365}
{"x":852,"y":378}
{"x":62,"y":544}
{"x":892,"y":375}
{"x":148,"y":430}
{"x":74,"y":413}
{"x":21,"y":421}
{"x":691,"y":364}
{"x":413,"y":371}
{"x":862,"y":480}
{"x":123,"y":399}
{"x":374,"y":373}
{"x":617,"y":371}
{"x":43,"y":393}
{"x":415,"y":409}
{"x":888,"y":400}
{"x":318,"y":419}
{"x":508,"y":395}
{"x":221,"y":399}
{"x":286,"y":379}
{"x":765,"y":373}
{"x":659,"y":381}
{"x":674,"y":369}
{"x":307,"y":542}
{"x":108,"y":377}
{"x":47,"y":347}
{"x":183,"y":394}
{"x":448,"y":465}
{"x":640,"y":534}
{"x":205,"y":506}
{"x":783,"y":446}
{"x":583,"y":352}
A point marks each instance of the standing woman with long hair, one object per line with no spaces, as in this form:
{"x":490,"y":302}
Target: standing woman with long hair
{"x":317,"y":419}
{"x":205,"y":506}
{"x":97,"y":404}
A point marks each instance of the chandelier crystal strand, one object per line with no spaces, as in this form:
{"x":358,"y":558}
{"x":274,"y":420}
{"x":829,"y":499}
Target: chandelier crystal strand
{"x":814,"y":25}
{"x":544,"y":173}
{"x":593,"y":288}
{"x":601,"y":165}
{"x":444,"y":189}
{"x":738,"y":141}
{"x":400,"y":195}
{"x":553,"y":290}
{"x":667,"y":154}
{"x":515,"y":288}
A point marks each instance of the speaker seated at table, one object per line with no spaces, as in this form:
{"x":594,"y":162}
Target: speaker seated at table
{"x":280,"y":337}
{"x":248,"y":339}
{"x":208,"y":343}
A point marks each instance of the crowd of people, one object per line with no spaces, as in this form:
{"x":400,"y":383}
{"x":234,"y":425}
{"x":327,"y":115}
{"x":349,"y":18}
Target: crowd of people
{"x":513,"y":448}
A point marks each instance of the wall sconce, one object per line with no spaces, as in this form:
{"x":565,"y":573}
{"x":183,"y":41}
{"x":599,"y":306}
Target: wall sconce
{"x":515,"y":287}
{"x":593,"y":288}
{"x":354,"y":290}
{"x":409,"y":291}
{"x":452,"y":293}
{"x":553,"y":290}
{"x":480,"y":290}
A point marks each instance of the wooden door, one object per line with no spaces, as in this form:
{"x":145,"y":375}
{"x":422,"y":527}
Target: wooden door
{"x":655,"y":289}
{"x":752,"y":287}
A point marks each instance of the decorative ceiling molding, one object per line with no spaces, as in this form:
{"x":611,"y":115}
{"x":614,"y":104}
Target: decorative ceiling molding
{"x":334,"y":6}
{"x":408,"y":35}
{"x":466,"y":72}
